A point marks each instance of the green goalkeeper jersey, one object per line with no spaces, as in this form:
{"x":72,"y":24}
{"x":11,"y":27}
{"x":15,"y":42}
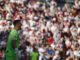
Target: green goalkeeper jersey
{"x":13,"y":36}
{"x":34,"y":56}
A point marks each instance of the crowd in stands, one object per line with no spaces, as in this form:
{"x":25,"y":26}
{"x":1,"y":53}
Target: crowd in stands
{"x":49,"y":32}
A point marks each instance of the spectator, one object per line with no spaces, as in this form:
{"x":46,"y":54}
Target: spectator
{"x":55,"y":30}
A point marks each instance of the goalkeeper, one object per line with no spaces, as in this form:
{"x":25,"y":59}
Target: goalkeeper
{"x":13,"y":42}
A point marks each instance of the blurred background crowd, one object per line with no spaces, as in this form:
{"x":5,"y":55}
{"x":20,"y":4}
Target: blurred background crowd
{"x":49,"y":29}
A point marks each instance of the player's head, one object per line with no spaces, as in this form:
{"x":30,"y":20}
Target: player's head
{"x":17,"y":23}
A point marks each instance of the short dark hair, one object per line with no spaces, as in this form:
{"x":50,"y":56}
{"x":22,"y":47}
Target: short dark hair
{"x":16,"y":22}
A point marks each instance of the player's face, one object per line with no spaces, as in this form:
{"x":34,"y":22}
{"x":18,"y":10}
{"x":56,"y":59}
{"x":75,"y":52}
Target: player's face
{"x":19,"y":26}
